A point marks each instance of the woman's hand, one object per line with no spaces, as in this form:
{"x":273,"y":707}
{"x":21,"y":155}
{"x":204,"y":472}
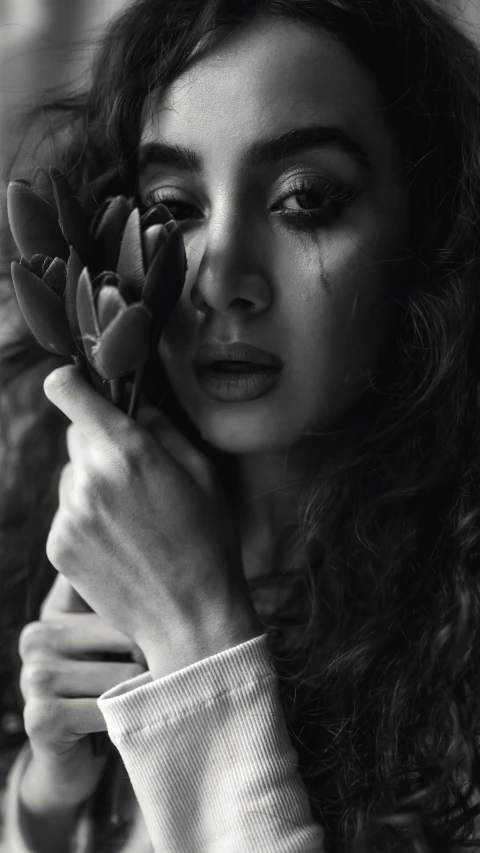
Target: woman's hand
{"x":143,"y":532}
{"x":60,"y":682}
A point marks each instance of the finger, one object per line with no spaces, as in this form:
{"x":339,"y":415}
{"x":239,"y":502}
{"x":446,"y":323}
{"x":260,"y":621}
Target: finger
{"x":78,"y":636}
{"x":62,"y":598}
{"x":100,"y":421}
{"x":95,"y":679}
{"x":77,"y":717}
{"x":84,"y":716}
{"x":78,"y":445}
{"x":74,"y":679}
{"x":66,"y":484}
{"x":81,"y":452}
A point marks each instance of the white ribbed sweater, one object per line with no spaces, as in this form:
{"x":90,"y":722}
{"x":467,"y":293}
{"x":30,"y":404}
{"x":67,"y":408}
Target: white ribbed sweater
{"x":210,"y":762}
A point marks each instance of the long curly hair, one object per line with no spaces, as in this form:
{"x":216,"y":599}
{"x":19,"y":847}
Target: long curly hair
{"x":376,"y":634}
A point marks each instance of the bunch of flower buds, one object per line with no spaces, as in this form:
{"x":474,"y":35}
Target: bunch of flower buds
{"x":96,"y":289}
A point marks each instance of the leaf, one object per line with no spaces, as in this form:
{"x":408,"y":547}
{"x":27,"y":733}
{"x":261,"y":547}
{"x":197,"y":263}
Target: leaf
{"x":43,"y":310}
{"x":45,"y":266}
{"x":159,"y":214}
{"x":130,"y":265}
{"x":72,"y":218}
{"x":109,"y":183}
{"x":95,"y":219}
{"x":36,"y":264}
{"x":109,"y":302}
{"x":165,"y":279}
{"x":86,"y":314}
{"x":109,"y":232}
{"x":153,"y":239}
{"x":125,"y":344}
{"x":34,"y":223}
{"x":56,"y":277}
{"x":74,"y":269}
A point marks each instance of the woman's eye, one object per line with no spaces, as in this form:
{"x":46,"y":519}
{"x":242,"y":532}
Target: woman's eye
{"x":308,"y":201}
{"x":312,"y":203}
{"x":180,"y":210}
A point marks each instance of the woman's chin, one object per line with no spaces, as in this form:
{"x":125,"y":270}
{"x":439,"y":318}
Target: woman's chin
{"x":237,"y":433}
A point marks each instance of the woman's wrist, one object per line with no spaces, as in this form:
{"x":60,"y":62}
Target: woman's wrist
{"x":245,"y":627}
{"x":51,"y":783}
{"x":47,"y":821}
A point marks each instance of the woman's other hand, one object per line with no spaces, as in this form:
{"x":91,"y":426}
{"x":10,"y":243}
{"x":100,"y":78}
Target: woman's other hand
{"x":61,"y":679}
{"x":143,"y":532}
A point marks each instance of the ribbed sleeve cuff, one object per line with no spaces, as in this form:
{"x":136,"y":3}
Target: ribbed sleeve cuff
{"x":210,"y":759}
{"x":141,"y":702}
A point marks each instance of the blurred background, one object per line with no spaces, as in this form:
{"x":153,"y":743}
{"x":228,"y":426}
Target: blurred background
{"x":44,"y":43}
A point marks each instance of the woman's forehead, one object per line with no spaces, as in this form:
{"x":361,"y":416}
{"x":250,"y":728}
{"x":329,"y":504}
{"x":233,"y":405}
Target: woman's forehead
{"x":265,"y":79}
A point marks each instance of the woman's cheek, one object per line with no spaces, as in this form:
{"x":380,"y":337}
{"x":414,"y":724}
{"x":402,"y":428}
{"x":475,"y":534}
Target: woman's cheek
{"x":362,"y":315}
{"x":343,"y":315}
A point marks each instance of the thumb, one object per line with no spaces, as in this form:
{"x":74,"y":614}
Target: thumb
{"x":63,"y":598}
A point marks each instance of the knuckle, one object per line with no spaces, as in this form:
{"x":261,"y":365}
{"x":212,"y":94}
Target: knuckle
{"x":37,"y":677}
{"x":66,"y":468}
{"x":129,"y":456}
{"x":33,"y":637}
{"x":70,"y":431}
{"x":88,"y":492}
{"x":44,"y":719}
{"x":58,"y":545}
{"x":135,"y":445}
{"x":126,"y":433}
{"x":54,"y":550}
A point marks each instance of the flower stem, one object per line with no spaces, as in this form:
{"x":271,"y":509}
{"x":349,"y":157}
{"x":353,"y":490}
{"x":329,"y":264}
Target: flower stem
{"x":82,"y":363}
{"x":123,"y":395}
{"x":90,"y":374}
{"x":135,"y":397}
{"x":115,"y":389}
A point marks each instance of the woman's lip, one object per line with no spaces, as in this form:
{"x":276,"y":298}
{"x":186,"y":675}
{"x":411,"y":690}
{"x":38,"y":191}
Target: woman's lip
{"x":207,"y":354}
{"x":237,"y":387}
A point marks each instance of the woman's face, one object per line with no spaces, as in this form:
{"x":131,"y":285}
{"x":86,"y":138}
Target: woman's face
{"x":316,"y":291}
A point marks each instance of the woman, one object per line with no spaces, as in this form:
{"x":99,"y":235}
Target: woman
{"x":289,"y":557}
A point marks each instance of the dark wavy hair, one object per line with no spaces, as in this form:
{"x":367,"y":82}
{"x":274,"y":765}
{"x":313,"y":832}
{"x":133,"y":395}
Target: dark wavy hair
{"x":376,"y":632}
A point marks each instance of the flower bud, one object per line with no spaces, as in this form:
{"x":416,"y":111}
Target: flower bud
{"x":116,"y":335}
{"x":34,"y":222}
{"x":41,"y":301}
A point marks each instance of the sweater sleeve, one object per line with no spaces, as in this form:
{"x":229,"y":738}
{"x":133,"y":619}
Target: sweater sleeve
{"x":210,"y":759}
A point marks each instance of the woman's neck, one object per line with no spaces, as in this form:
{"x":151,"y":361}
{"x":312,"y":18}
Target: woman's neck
{"x":266,"y":502}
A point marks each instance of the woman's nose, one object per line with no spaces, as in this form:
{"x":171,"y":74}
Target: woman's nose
{"x":230,"y":271}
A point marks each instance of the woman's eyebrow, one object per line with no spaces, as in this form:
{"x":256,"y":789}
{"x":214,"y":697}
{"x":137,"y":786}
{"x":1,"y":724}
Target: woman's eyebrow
{"x":261,"y":153}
